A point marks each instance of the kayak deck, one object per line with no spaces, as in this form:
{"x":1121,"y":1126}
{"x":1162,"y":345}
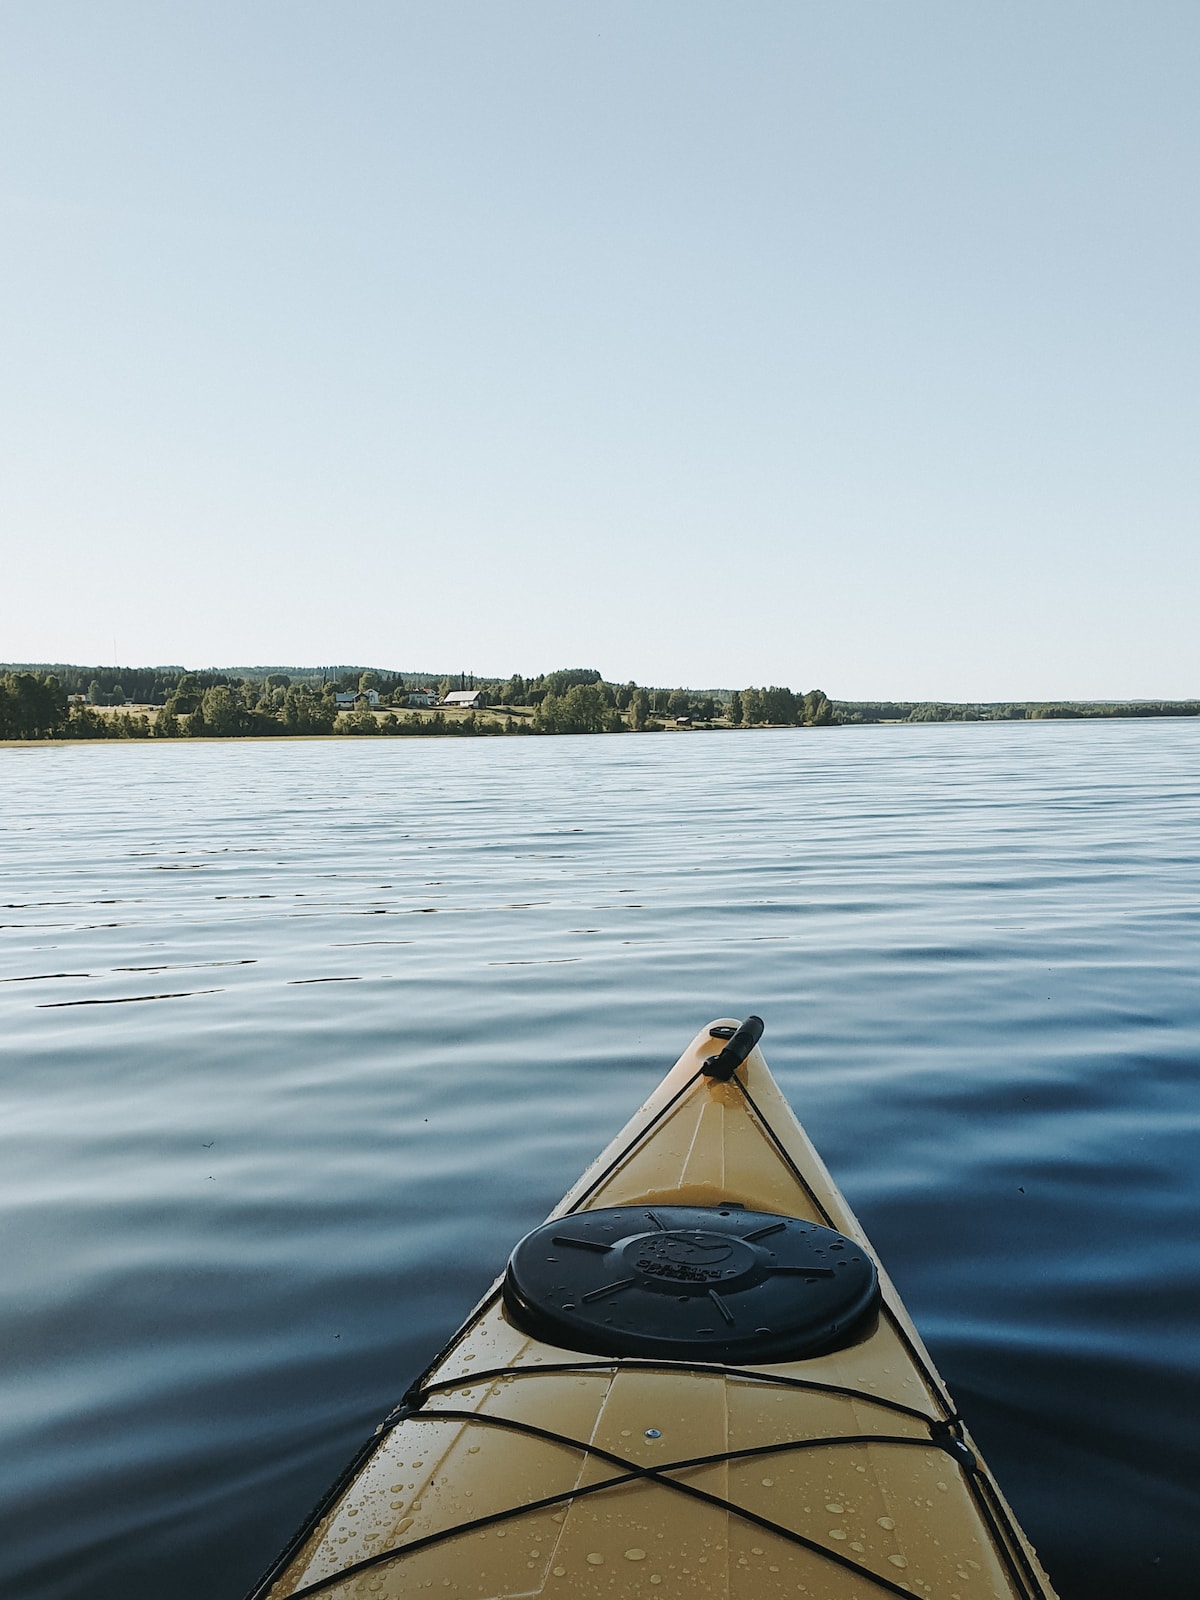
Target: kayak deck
{"x":520,"y":1468}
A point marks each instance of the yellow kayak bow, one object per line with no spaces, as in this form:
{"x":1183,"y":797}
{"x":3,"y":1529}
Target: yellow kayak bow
{"x":694,"y":1378}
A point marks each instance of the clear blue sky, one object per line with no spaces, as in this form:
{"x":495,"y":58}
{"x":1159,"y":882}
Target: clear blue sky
{"x":838,"y":345}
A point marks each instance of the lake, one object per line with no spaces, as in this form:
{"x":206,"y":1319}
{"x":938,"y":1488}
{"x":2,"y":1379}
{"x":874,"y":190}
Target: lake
{"x":300,"y":1037}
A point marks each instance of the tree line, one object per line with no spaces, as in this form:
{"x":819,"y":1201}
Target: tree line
{"x":95,"y":703}
{"x":1006,"y":711}
{"x":82,"y":704}
{"x":214,"y":704}
{"x":258,"y":692}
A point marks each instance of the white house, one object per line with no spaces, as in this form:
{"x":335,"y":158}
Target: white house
{"x":359,"y":697}
{"x":422,"y":697}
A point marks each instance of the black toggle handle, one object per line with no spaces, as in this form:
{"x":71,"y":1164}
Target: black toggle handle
{"x":724,"y":1066}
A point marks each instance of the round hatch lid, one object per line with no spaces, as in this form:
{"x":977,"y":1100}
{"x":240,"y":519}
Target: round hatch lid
{"x":698,"y":1283}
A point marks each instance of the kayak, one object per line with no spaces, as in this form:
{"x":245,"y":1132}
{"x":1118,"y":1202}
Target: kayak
{"x":694,"y":1378}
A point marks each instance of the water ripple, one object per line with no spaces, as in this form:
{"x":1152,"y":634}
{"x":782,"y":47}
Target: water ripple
{"x":237,"y":1231}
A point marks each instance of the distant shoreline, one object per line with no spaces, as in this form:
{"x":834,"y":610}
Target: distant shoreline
{"x":75,"y":704}
{"x":58,"y":742}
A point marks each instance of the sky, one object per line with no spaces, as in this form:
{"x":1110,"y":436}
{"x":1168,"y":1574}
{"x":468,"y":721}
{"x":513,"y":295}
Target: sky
{"x":849,"y":346}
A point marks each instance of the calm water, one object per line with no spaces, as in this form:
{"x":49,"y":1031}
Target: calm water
{"x":387,"y":998}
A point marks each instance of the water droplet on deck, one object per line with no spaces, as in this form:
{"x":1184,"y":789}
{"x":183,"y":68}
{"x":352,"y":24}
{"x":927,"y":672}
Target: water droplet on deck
{"x":595,"y":1559}
{"x":898,"y":1561}
{"x":835,"y":1508}
{"x":885,"y":1522}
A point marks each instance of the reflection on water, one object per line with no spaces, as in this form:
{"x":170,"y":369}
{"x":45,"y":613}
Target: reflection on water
{"x":241,"y":1218}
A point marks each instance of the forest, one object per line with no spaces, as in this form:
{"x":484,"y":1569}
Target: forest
{"x":71,"y":702}
{"x":41,"y":701}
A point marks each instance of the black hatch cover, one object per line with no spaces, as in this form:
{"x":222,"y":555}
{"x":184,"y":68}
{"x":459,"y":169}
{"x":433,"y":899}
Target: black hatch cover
{"x":699,"y":1283}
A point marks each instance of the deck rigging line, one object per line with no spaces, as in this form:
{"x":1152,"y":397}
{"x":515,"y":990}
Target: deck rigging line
{"x":638,"y":1138}
{"x":615,"y":1364}
{"x":631,"y":1472}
